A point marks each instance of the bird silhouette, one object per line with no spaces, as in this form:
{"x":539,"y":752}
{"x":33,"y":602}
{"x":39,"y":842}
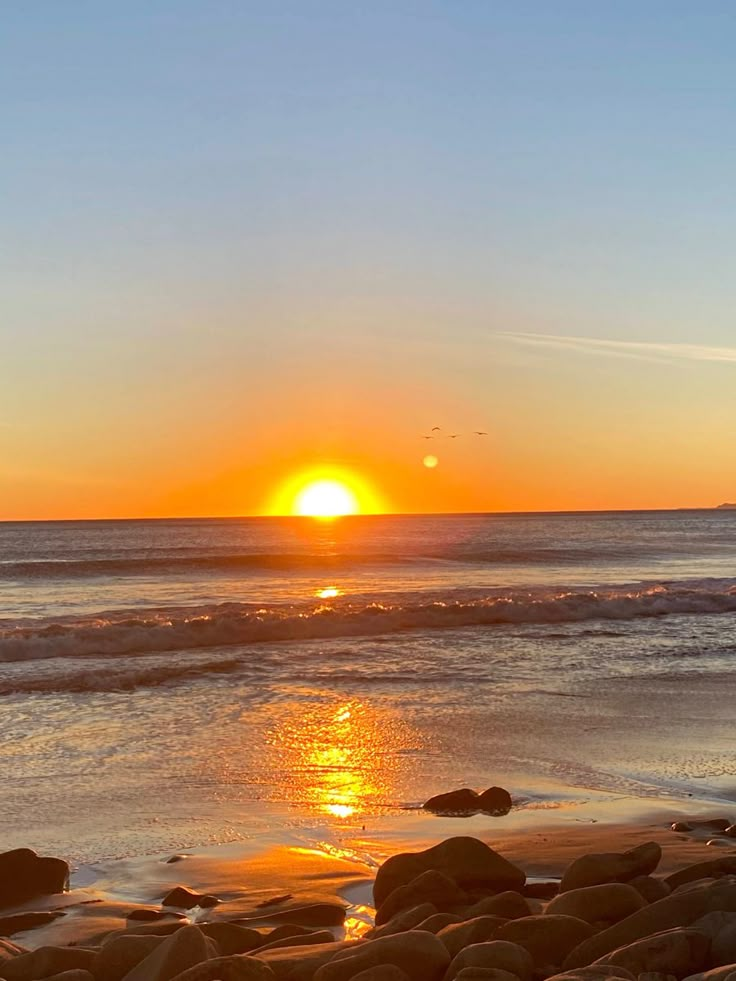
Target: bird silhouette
{"x":477,"y":433}
{"x":454,"y":435}
{"x":427,"y":437}
{"x":435,"y":429}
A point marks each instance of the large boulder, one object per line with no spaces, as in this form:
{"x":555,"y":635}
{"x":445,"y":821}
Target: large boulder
{"x":596,"y":972}
{"x":678,"y":910}
{"x":464,"y":801}
{"x":469,"y":861}
{"x":299,"y":963}
{"x":121,"y":953}
{"x":481,"y":974}
{"x":46,"y":961}
{"x":176,"y":953}
{"x":183,"y":898}
{"x":720,"y":927}
{"x":496,"y":954}
{"x":591,"y":870}
{"x":606,"y":903}
{"x":680,"y":952}
{"x":231,"y":938}
{"x":25,"y":875}
{"x":549,"y":938}
{"x":421,"y":955}
{"x":437,"y":922}
{"x":237,"y":967}
{"x":715,"y":869}
{"x":307,"y":940}
{"x":725,"y":973}
{"x":407,"y":919}
{"x":509,"y":904}
{"x":431,"y":886}
{"x":475,"y":931}
{"x":495,"y":800}
{"x":650,"y":888}
{"x":382,"y":972}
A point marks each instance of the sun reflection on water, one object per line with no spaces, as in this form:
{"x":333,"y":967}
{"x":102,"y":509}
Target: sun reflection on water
{"x":328,"y":592}
{"x":345,"y":757}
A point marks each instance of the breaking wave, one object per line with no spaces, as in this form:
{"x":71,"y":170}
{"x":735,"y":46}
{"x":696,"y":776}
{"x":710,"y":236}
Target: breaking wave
{"x":230,"y":624}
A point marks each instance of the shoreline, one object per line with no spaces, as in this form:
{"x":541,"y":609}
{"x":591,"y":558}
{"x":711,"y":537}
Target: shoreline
{"x":337,"y":864}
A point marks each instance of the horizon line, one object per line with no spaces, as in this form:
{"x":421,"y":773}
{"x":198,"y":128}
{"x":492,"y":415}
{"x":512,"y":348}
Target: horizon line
{"x":375,"y":514}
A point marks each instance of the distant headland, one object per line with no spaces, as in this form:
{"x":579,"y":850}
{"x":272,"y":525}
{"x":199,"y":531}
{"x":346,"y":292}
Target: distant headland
{"x":726,"y":507}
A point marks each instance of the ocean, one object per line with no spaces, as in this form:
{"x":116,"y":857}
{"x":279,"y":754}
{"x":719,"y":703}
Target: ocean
{"x":179,"y":682}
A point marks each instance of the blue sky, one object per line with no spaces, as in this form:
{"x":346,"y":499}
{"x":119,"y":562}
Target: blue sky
{"x":219,"y":190}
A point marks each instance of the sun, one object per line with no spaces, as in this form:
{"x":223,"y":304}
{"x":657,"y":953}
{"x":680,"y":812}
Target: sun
{"x":324,"y":492}
{"x":326,"y":499}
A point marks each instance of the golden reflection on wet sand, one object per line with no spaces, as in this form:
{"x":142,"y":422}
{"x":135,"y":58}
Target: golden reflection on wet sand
{"x":344,"y":757}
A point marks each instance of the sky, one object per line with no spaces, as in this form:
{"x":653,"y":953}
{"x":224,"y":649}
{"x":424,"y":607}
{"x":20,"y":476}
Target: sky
{"x":242,"y":241}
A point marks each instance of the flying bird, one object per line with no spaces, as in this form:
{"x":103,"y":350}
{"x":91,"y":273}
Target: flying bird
{"x":454,"y":435}
{"x":435,"y":429}
{"x":427,"y":437}
{"x":477,"y":433}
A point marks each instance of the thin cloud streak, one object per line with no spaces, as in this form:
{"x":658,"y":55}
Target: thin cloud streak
{"x":640,"y":350}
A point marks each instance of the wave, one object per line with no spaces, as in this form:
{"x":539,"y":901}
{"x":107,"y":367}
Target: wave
{"x":232,"y":624}
{"x":162,"y":565}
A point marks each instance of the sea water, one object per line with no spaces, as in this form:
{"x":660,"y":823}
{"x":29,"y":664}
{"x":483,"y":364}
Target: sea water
{"x":172,"y":682}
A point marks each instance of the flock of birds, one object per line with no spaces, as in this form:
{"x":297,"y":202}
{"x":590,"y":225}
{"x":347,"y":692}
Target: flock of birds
{"x":441,"y":435}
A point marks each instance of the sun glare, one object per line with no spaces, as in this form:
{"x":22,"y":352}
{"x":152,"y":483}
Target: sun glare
{"x":325,"y":499}
{"x":324,"y":493}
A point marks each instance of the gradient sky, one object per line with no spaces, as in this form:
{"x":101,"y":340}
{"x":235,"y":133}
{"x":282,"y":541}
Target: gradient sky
{"x":243,"y":239}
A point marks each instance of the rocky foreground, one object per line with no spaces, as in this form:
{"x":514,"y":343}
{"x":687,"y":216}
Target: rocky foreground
{"x":458,"y":910}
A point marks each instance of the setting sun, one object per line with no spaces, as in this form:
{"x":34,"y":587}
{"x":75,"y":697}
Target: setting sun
{"x":326,"y":499}
{"x":328,"y":491}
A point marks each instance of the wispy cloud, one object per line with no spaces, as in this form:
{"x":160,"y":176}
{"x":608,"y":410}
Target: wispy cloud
{"x":640,"y":350}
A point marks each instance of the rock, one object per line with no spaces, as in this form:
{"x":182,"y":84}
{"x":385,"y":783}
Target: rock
{"x":75,"y":975}
{"x":592,"y":870}
{"x":175,"y":954}
{"x":720,"y":928}
{"x":649,"y":888}
{"x":176,"y":858}
{"x":656,"y":976}
{"x":163,"y":929}
{"x":308,"y":940}
{"x":549,"y":938}
{"x":478,"y":930}
{"x":714,"y":869}
{"x":483,"y":974}
{"x":153,"y":915}
{"x":718,"y":843}
{"x":382,"y":972}
{"x":429,"y":887}
{"x":596,"y":972}
{"x":421,"y":955}
{"x":496,"y":954}
{"x":608,"y":902}
{"x":184,"y":898}
{"x":510,"y":905}
{"x":300,"y":963}
{"x":317,"y":914}
{"x":730,"y":831}
{"x":25,"y":875}
{"x":46,"y":961}
{"x":463,"y":801}
{"x":681,"y":826}
{"x":19,"y":922}
{"x":715,"y":824}
{"x":238,"y":967}
{"x":407,"y":919}
{"x":120,"y":954}
{"x":433,"y":924}
{"x":231,"y":938}
{"x":541,"y":890}
{"x":495,"y":800}
{"x":679,"y":952}
{"x":469,"y":861}
{"x":677,"y":910}
{"x":290,"y":930}
{"x":725,"y":973}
